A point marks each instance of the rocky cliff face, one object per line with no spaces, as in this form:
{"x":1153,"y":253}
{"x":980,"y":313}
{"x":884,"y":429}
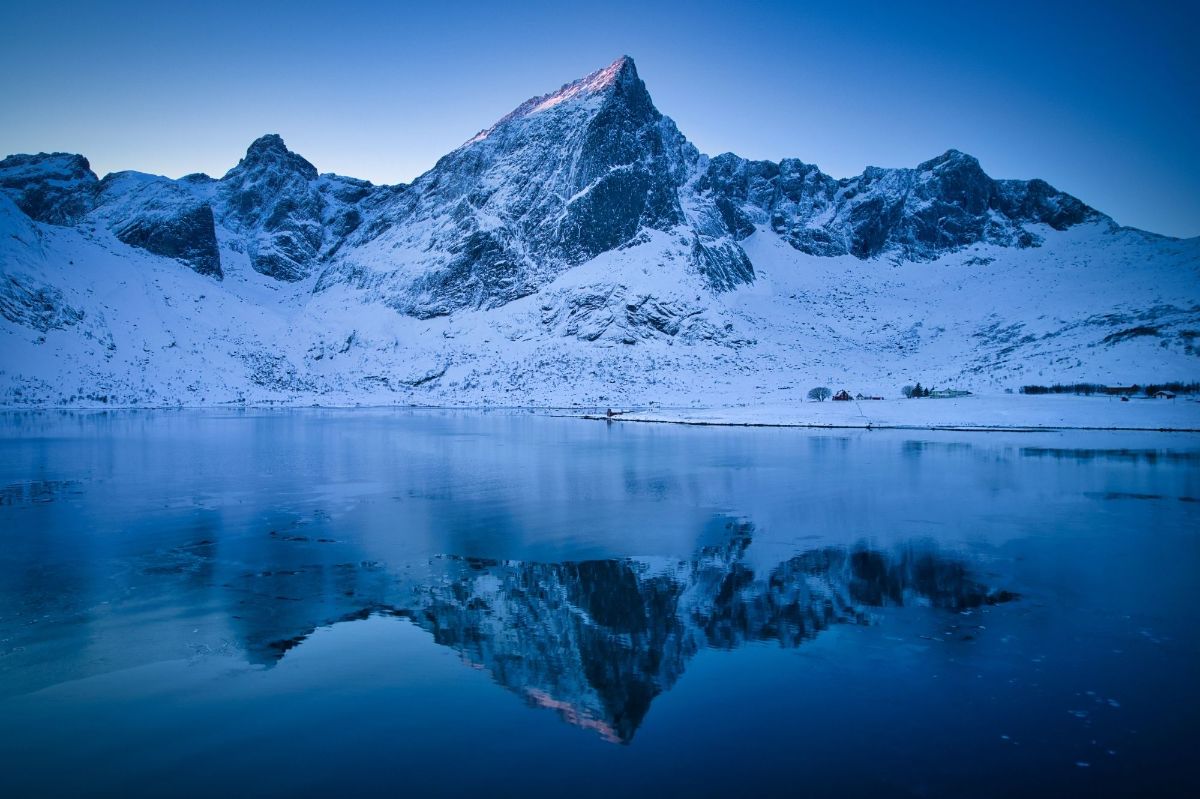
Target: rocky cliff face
{"x":161,"y":216}
{"x":56,"y":188}
{"x":560,"y":180}
{"x":944,"y":204}
{"x":287,"y":217}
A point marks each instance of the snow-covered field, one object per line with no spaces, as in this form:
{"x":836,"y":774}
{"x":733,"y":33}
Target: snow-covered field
{"x":629,"y":328}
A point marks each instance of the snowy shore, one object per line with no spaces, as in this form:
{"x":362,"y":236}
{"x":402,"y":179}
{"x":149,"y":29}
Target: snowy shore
{"x":1004,"y":412}
{"x":974,"y":413}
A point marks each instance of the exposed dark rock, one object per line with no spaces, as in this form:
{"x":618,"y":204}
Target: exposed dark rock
{"x":187,"y":236}
{"x":1038,"y":201}
{"x":161,"y":216}
{"x":482,"y":272}
{"x":39,"y":307}
{"x":944,"y":204}
{"x":57,"y":188}
{"x":291,"y":218}
{"x":723,"y":263}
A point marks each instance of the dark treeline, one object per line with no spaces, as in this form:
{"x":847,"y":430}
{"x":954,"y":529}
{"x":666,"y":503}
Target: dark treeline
{"x":1088,"y":389}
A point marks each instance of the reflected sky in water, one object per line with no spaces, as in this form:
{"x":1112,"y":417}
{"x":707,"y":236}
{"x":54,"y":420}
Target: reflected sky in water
{"x":307,"y":602}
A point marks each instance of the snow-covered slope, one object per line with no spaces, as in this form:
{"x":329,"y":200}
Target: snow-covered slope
{"x":578,"y":252}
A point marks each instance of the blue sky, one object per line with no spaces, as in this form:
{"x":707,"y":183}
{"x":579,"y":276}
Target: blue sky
{"x":1100,"y":98}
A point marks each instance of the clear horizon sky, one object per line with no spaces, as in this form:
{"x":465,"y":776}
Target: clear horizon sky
{"x":1102,"y":99}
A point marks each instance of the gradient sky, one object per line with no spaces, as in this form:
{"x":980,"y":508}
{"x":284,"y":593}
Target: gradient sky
{"x":1102,"y":99}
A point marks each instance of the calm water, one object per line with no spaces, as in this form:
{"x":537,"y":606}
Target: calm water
{"x":370,"y":603}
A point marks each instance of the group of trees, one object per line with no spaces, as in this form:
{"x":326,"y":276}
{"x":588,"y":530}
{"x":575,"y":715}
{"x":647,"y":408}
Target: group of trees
{"x":1087,"y":389}
{"x":822,"y":393}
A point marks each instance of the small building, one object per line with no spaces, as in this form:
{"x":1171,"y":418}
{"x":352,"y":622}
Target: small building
{"x":1164,"y":395}
{"x":842,"y":396}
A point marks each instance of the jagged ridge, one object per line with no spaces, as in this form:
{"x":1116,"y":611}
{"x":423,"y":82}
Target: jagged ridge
{"x":561,"y":179}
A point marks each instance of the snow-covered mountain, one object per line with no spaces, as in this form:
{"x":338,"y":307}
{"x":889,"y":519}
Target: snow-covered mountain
{"x":579,"y":251}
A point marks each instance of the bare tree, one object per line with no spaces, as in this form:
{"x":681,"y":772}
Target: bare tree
{"x":820,"y":393}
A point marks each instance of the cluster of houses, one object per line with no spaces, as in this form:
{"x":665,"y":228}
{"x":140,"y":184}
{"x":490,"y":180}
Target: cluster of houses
{"x":1129,"y":391}
{"x":945,"y":393}
{"x":1125,"y":392}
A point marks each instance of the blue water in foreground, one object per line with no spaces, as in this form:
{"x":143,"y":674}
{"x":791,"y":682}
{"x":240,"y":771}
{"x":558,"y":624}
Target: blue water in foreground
{"x":341,"y":603}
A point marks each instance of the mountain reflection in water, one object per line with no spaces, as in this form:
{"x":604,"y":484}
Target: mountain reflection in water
{"x":369,"y":602}
{"x":598,"y":640}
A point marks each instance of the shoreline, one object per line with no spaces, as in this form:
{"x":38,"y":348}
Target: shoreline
{"x":870,"y":426}
{"x":982,"y":414}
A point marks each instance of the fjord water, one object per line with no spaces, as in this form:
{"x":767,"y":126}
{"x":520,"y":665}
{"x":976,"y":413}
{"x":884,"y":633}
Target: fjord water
{"x":363,"y":602}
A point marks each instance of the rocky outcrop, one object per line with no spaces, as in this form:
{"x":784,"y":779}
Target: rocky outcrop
{"x":288,"y":216}
{"x":563,"y":178}
{"x":615,"y":313}
{"x":161,"y":216}
{"x":55,"y":188}
{"x":38,"y":307}
{"x":944,"y":204}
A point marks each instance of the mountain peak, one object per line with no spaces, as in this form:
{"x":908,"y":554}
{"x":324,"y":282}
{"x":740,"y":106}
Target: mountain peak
{"x":270,"y":142}
{"x":60,"y":166}
{"x":269,"y":151}
{"x":50,"y":187}
{"x":621,"y":70}
{"x":951,"y":156}
{"x":620,"y":74}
